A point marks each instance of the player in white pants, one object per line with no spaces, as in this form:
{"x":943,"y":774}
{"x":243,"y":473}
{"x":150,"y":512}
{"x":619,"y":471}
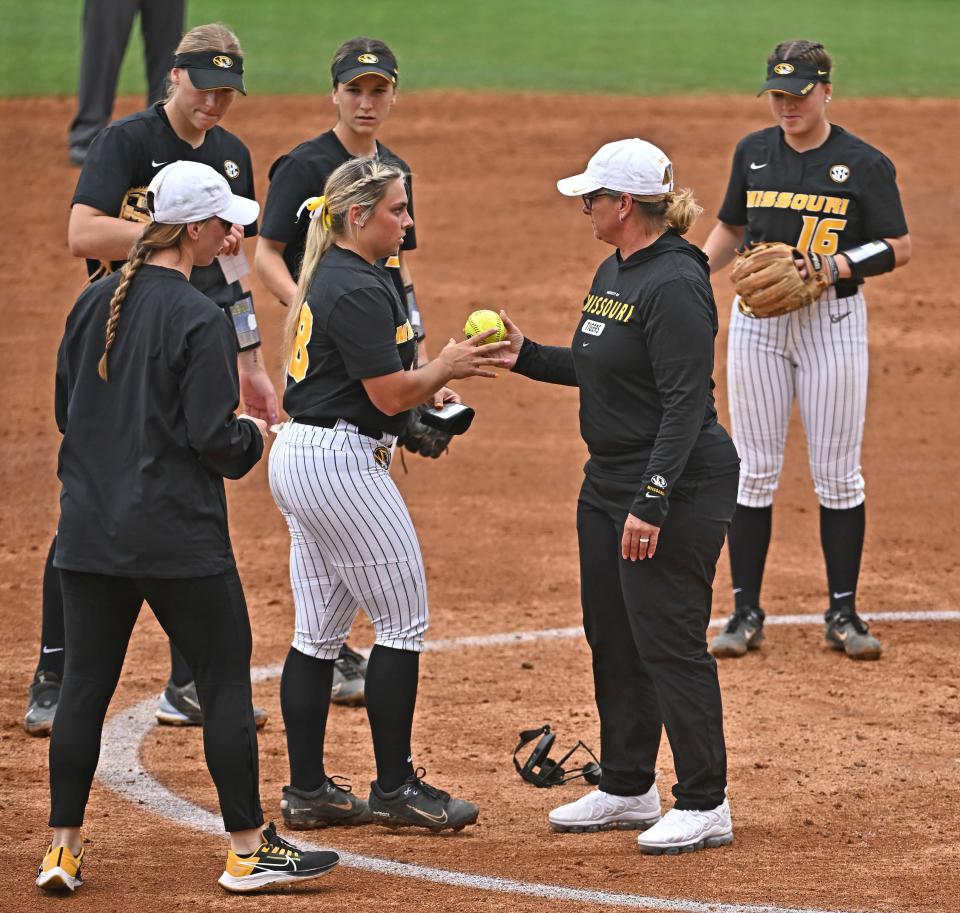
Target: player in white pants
{"x":818,"y":357}
{"x":351,"y":382}
{"x":813,"y":185}
{"x":353,"y":544}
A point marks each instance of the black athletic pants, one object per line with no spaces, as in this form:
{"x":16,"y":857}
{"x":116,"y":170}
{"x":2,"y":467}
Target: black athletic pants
{"x":206,"y":617}
{"x":51,"y":630}
{"x":646,"y":623}
{"x":106,"y":31}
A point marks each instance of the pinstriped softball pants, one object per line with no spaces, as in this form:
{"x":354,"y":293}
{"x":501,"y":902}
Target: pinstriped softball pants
{"x":352,"y":541}
{"x":818,"y":356}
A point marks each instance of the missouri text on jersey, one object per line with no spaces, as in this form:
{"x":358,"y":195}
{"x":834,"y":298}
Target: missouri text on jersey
{"x":784,"y":199}
{"x":607,"y":307}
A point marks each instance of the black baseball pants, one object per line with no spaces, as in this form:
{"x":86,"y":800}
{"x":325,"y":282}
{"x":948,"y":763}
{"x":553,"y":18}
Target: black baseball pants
{"x":206,"y":617}
{"x":646,"y":623}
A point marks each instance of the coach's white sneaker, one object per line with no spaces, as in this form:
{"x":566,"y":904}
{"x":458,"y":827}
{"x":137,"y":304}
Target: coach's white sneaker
{"x":600,"y":811}
{"x":683,"y":831}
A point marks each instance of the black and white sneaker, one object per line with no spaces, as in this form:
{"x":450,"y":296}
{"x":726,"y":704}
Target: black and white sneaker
{"x":844,"y":629}
{"x":417,"y":804}
{"x":180,"y":706}
{"x":276,"y":862}
{"x":743,"y":631}
{"x":329,"y":805}
{"x":42,"y":703}
{"x":349,"y":678}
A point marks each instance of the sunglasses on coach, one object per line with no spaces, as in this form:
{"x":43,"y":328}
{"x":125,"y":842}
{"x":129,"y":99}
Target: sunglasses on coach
{"x":588,"y":198}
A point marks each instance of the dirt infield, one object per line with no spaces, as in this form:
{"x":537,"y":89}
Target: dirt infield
{"x":843,"y":776}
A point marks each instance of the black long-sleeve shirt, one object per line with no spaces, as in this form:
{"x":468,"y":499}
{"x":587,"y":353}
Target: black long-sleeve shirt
{"x":642,"y":356}
{"x":144,"y":454}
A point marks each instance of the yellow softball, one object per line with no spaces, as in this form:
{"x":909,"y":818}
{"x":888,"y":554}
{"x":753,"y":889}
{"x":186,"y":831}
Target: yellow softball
{"x":481,"y":321}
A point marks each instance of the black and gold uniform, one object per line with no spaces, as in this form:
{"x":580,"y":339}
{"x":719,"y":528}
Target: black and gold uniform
{"x":129,"y":153}
{"x":827,"y":200}
{"x":642,"y":357}
{"x":302,"y":173}
{"x":352,"y":326}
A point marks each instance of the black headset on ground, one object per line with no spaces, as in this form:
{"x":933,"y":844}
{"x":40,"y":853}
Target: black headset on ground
{"x":541,"y":771}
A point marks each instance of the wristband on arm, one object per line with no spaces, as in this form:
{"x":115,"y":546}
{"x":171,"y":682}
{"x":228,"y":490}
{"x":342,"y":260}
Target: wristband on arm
{"x":413,"y":312}
{"x":245,"y":323}
{"x":871,"y":259}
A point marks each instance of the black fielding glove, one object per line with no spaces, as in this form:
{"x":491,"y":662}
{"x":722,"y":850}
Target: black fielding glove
{"x":418,"y":438}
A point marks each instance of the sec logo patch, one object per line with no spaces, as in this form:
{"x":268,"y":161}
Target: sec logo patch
{"x":839,"y":173}
{"x":231,"y":169}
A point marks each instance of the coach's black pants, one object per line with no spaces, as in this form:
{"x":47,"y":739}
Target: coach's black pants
{"x":646,"y":624}
{"x":206,"y":617}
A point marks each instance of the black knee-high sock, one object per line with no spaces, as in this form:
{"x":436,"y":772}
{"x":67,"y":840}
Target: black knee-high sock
{"x":51,"y":624}
{"x":841,"y":535}
{"x":748,"y":541}
{"x":180,"y":671}
{"x":390,"y":694}
{"x":305,"y":701}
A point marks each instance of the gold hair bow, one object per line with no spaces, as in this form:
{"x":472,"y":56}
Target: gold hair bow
{"x":317,"y":207}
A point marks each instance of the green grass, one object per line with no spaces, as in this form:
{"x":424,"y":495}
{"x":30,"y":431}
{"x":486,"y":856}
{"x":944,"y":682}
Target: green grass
{"x":647,"y":47}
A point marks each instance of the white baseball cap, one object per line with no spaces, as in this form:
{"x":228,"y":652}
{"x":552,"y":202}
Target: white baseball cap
{"x":631,"y":166}
{"x":191,"y":192}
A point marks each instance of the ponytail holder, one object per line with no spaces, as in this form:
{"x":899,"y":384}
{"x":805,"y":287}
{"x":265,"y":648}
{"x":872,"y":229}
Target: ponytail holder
{"x":317,"y":207}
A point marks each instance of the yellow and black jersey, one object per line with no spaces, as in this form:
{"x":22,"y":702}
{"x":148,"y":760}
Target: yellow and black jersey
{"x":129,"y":152}
{"x":302,"y":173}
{"x":825,"y":200}
{"x":352,"y":325}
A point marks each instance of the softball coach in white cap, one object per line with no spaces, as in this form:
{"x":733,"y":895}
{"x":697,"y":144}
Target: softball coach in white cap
{"x":656,"y":501}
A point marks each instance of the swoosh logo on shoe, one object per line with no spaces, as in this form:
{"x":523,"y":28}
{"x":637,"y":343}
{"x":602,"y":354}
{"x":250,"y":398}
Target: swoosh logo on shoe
{"x":273,"y":865}
{"x":755,"y":167}
{"x":439,"y":819}
{"x":346,"y":806}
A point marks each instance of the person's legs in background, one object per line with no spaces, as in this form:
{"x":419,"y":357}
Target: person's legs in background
{"x":106,"y":31}
{"x":44,"y":692}
{"x":161,"y":24}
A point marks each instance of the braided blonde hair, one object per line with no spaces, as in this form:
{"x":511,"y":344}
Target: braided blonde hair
{"x":360,"y":182}
{"x":156,"y":236}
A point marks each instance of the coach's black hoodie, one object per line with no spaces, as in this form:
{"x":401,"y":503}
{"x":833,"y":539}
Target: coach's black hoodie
{"x":642,"y":356}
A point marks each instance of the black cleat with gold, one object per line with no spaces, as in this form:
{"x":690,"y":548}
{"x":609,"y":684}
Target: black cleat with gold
{"x":276,"y":862}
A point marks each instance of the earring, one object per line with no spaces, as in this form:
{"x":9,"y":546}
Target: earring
{"x":829,"y":99}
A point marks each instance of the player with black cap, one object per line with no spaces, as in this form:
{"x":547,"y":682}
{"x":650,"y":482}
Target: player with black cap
{"x":106,"y":218}
{"x":812,"y":185}
{"x":365,"y":74}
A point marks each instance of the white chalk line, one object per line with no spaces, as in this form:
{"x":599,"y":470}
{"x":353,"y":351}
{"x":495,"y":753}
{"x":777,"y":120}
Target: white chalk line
{"x":121,"y":771}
